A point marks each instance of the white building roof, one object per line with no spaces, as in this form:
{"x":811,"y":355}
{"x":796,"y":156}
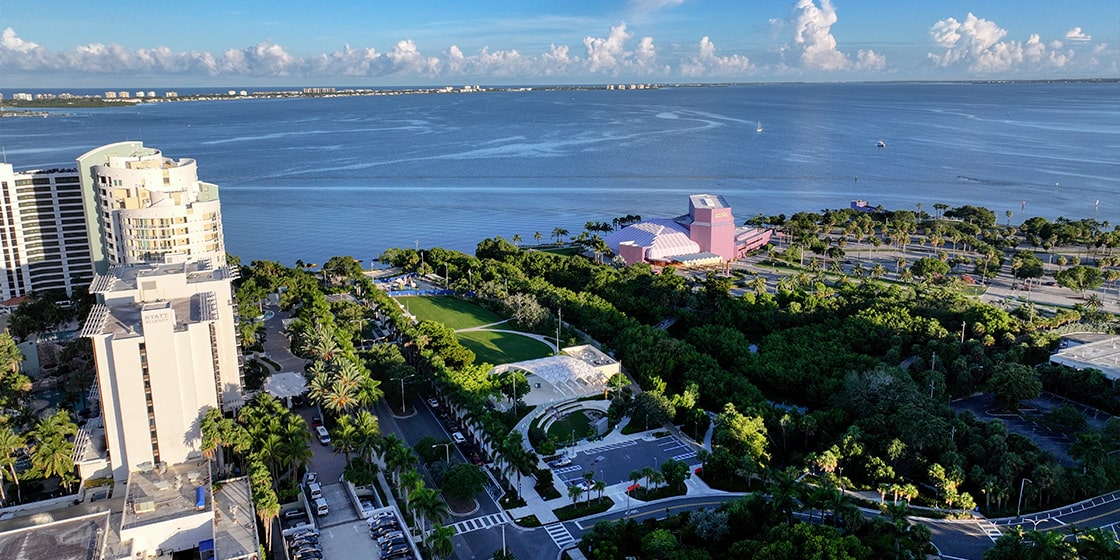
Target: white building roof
{"x":665,"y":238}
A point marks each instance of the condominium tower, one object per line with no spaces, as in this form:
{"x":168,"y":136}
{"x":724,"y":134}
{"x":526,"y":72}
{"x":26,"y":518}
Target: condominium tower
{"x":43,"y":234}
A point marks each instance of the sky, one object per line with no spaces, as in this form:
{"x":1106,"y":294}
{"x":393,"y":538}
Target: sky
{"x":369,"y":43}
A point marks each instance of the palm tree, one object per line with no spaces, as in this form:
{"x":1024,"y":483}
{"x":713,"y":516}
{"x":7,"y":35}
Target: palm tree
{"x":599,"y":487}
{"x":11,"y":445}
{"x":559,"y":233}
{"x":267,"y":505}
{"x":345,"y":436}
{"x":397,"y":456}
{"x":51,"y":457}
{"x":784,"y":490}
{"x":1049,"y":545}
{"x":427,"y":504}
{"x":537,"y":236}
{"x":411,"y":481}
{"x":517,"y":240}
{"x":574,"y":492}
{"x":296,"y":449}
{"x":439,"y":541}
{"x":10,"y":356}
{"x":368,"y":432}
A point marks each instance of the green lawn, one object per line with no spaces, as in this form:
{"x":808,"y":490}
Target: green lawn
{"x":498,"y":348}
{"x":562,"y":429}
{"x":453,"y":312}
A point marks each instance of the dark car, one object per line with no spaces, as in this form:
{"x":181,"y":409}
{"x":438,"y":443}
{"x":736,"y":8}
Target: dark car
{"x":294,"y":514}
{"x":303,"y":541}
{"x":302,"y":533}
{"x":311,"y":555}
{"x":395,"y":551}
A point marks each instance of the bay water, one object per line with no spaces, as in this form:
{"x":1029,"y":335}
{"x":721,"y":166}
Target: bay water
{"x":309,"y":178}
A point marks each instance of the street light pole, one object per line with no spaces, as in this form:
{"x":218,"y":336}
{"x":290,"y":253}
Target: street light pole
{"x":404,"y":407}
{"x":446,"y":450}
{"x":1019,"y":508}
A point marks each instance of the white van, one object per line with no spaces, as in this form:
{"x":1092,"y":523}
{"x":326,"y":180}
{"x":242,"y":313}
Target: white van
{"x":321,"y":508}
{"x":314,"y":490}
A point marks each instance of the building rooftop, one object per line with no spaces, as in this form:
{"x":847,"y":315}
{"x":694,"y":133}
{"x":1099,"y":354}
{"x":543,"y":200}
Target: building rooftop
{"x":1103,"y":355}
{"x":79,"y":538}
{"x":125,"y":319}
{"x":707,"y":201}
{"x":235,"y":525}
{"x":159,"y":493}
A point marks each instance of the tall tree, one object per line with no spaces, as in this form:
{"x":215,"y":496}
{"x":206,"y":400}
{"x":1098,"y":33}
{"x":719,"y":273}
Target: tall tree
{"x":11,"y":446}
{"x":439,"y":541}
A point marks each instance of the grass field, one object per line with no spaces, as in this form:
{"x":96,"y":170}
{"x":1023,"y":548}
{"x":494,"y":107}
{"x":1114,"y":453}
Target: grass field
{"x":499,"y":348}
{"x":453,"y":312}
{"x":575,"y":423}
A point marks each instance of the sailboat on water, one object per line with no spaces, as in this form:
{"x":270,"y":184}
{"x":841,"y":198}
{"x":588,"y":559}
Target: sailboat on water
{"x":759,"y":129}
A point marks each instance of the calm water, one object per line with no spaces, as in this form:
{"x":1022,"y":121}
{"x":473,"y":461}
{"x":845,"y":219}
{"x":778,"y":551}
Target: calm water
{"x":311,"y":178}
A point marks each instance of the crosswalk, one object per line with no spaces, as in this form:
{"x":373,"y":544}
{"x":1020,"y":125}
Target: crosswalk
{"x":609,"y":446}
{"x":559,"y":534}
{"x":684,"y":456}
{"x":989,"y":529}
{"x":479,"y":523}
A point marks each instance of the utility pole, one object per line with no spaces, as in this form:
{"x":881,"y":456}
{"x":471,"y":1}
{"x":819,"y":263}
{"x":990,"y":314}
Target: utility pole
{"x":559,"y":321}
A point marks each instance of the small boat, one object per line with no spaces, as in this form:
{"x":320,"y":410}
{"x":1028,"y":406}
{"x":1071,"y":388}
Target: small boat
{"x":882,"y":144}
{"x":759,"y":129}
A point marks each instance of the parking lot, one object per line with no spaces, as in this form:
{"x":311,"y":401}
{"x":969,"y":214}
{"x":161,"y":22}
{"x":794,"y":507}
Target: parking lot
{"x":612,"y":463}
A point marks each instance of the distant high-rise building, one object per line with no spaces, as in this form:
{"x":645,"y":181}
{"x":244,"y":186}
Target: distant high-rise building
{"x":43,"y":242}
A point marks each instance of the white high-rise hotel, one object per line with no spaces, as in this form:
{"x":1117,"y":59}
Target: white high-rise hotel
{"x":163,"y":331}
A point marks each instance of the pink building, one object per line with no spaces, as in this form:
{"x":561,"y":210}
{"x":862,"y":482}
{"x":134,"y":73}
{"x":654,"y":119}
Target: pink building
{"x":711,"y":225}
{"x":706,"y":236}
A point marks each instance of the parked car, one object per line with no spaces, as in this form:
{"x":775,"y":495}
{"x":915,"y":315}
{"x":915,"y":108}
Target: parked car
{"x":390,"y":536}
{"x":458,"y":437}
{"x":305,"y":551}
{"x":299,"y":545}
{"x":314,"y":490}
{"x":302,"y":533}
{"x":310,"y":555}
{"x":563,"y":461}
{"x":309,"y":477}
{"x":395,"y":550}
{"x":432,"y":402}
{"x":365,"y":505}
{"x":324,"y":435}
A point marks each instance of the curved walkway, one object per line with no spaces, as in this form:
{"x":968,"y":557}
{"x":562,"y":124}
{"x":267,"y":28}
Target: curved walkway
{"x":487,"y":328}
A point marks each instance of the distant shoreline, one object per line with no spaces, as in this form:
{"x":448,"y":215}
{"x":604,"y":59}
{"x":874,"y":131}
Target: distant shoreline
{"x":46,"y":99}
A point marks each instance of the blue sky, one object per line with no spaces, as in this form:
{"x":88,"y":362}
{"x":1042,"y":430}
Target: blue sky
{"x":58,"y":43}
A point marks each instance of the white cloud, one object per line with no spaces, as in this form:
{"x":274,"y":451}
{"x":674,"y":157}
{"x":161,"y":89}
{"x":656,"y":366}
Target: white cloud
{"x":978,"y":44}
{"x":1076,"y":34}
{"x":8,"y":40}
{"x":609,"y":55}
{"x":813,"y":43}
{"x":707,"y":63}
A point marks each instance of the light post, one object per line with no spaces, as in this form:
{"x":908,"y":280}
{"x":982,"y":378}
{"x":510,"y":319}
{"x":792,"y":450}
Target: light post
{"x":446,"y":450}
{"x":404,"y":407}
{"x":1019,"y":507}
